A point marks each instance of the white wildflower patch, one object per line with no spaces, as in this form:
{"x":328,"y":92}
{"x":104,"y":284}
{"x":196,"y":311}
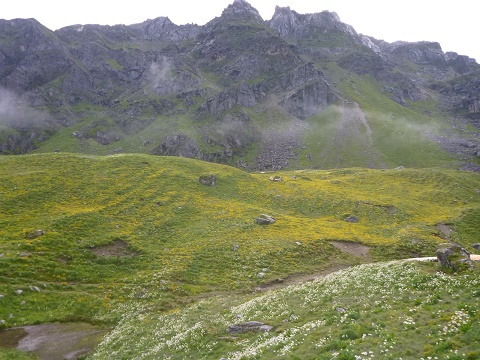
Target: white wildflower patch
{"x":408,"y":322}
{"x":459,"y":318}
{"x":340,"y":308}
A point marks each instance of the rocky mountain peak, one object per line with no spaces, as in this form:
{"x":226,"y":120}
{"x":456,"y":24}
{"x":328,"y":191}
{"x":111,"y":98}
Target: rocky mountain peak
{"x":241,"y":9}
{"x":162,"y":28}
{"x":290,"y":23}
{"x":27,"y":31}
{"x":31,"y":56}
{"x":284,"y":20}
{"x":19,"y":24}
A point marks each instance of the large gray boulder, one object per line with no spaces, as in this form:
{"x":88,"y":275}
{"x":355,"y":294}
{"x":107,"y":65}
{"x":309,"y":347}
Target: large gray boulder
{"x":250,"y":326}
{"x":454,"y":257}
{"x":265,"y":219}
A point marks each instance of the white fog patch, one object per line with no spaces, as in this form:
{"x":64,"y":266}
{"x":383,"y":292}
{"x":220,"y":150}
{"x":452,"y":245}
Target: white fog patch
{"x":160,"y":72}
{"x":14,"y":112}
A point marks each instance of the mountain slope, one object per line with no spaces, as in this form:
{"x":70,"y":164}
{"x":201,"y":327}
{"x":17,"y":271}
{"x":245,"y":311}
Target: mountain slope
{"x":238,"y":90}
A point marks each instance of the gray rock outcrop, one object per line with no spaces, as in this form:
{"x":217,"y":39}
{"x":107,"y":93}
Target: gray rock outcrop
{"x":308,"y":100}
{"x":178,"y":145}
{"x":241,"y":9}
{"x":35,"y":234}
{"x":454,"y":257}
{"x":162,"y":28}
{"x":421,"y":53}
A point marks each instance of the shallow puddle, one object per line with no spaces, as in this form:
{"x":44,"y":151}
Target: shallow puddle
{"x":54,"y":341}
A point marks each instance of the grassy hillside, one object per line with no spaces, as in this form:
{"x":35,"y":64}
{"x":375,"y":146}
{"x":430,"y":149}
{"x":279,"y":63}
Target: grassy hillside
{"x":395,"y":310}
{"x":379,"y":133}
{"x":88,"y":238}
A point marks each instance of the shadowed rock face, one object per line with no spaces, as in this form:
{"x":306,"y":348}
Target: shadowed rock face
{"x":118,"y":80}
{"x":308,"y":101}
{"x":178,"y":145}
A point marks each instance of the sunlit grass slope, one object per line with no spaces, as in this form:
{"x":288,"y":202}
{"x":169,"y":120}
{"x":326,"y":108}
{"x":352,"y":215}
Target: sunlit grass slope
{"x":172,"y":239}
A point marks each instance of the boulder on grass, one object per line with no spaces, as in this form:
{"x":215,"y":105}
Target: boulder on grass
{"x":265,"y":219}
{"x":34,"y":234}
{"x":250,"y":326}
{"x":352,"y":219}
{"x":276,"y":178}
{"x":454,"y":257}
{"x":208,"y":180}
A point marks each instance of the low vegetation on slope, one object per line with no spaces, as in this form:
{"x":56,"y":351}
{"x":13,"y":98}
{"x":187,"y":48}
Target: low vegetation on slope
{"x":392,"y":310}
{"x":86,"y":238}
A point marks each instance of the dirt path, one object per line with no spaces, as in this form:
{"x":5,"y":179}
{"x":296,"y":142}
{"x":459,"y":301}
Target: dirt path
{"x":356,"y":249}
{"x":473,"y":257}
{"x":299,"y":279}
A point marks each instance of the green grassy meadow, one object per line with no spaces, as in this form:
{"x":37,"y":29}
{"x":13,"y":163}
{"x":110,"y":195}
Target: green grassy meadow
{"x":126,"y":240}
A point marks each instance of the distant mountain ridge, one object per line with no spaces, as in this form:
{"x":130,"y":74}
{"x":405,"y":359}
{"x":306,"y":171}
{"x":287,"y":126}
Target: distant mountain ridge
{"x":238,"y":90}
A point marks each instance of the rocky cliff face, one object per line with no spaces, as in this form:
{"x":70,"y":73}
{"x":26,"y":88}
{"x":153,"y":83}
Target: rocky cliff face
{"x":31,"y":55}
{"x":213,"y":92}
{"x":420,"y":53}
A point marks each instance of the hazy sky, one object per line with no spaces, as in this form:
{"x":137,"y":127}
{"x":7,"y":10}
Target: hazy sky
{"x":451,"y":23}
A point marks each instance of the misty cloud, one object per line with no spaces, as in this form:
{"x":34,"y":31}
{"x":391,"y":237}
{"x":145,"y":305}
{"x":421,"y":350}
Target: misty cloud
{"x":15,"y":113}
{"x":165,"y":78}
{"x":161,"y":73}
